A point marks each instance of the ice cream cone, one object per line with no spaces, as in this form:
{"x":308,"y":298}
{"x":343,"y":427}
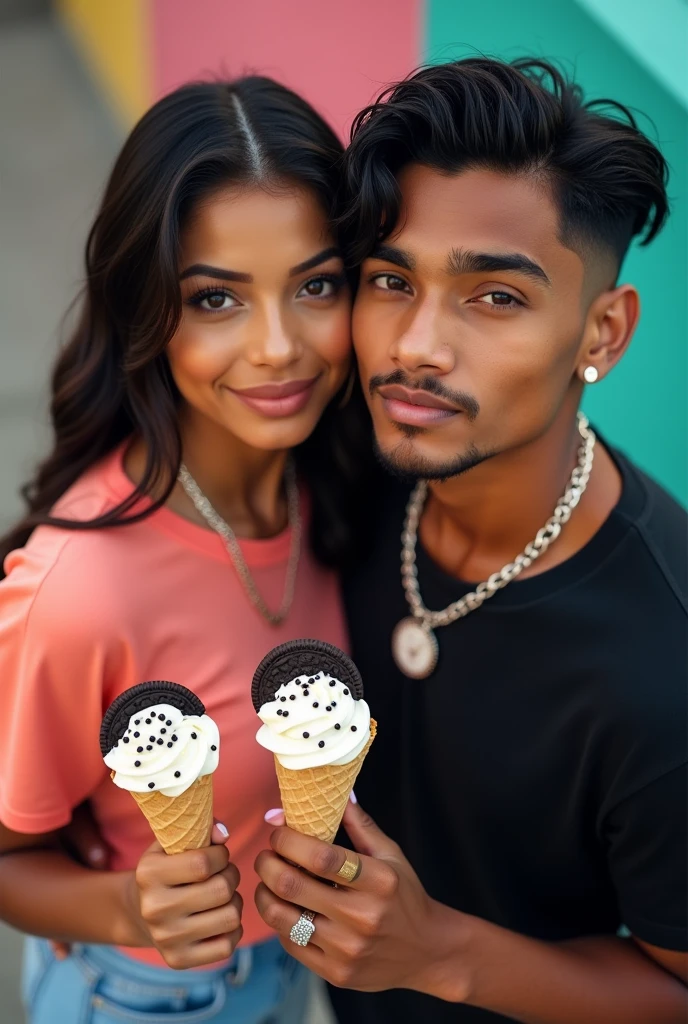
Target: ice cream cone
{"x":314,"y":799}
{"x":181,"y":822}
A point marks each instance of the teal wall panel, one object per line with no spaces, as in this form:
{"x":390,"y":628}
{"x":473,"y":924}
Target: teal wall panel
{"x":642,"y":406}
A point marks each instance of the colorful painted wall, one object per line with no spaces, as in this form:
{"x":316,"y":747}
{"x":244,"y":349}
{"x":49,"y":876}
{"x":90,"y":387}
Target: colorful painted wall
{"x":339,"y":56}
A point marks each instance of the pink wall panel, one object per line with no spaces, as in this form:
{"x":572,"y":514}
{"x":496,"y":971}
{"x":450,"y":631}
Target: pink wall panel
{"x":338,"y":55}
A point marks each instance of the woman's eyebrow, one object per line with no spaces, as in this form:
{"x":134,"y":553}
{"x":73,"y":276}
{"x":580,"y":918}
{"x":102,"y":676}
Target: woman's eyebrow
{"x":205,"y":270}
{"x":314,"y":261}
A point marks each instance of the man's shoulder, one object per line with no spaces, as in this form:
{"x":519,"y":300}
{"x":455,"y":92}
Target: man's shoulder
{"x":659,"y":525}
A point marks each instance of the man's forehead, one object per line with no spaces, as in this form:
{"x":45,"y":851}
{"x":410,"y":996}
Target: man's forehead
{"x":478,"y":209}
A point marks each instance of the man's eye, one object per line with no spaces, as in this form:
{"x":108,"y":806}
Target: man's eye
{"x":390,"y":283}
{"x":501,"y":300}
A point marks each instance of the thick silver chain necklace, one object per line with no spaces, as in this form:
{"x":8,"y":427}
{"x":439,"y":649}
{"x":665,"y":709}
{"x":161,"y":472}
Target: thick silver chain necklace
{"x":217,"y":523}
{"x":414,"y":644}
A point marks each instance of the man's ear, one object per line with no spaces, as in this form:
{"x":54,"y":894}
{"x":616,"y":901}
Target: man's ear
{"x":610,"y":323}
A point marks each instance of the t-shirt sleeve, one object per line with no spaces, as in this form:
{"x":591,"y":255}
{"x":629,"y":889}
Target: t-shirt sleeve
{"x":55,"y":651}
{"x":648,"y":857}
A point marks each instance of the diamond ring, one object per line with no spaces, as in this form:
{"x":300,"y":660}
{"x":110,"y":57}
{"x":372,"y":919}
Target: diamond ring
{"x":302,"y":932}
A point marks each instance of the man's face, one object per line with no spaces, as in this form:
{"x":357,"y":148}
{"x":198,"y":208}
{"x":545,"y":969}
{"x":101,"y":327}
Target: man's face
{"x":468,"y":321}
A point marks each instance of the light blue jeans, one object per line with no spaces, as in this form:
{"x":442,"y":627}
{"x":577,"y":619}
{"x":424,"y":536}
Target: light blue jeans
{"x":98,"y":985}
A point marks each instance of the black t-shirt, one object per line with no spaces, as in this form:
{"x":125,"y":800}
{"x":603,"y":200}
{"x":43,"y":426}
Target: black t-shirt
{"x":537,"y":778}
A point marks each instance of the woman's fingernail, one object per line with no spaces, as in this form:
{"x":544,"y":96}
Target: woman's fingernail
{"x":222,"y":828}
{"x":352,"y":797}
{"x":273,"y":814}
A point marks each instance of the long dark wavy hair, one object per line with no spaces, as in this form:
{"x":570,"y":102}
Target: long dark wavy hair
{"x":112,"y":380}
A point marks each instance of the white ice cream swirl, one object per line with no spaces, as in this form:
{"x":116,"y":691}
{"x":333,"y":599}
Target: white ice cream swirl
{"x":314,"y":720}
{"x":164,"y":751}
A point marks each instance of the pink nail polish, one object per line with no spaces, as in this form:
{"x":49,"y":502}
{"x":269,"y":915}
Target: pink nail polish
{"x":222,"y":828}
{"x":352,"y":797}
{"x":273,"y":814}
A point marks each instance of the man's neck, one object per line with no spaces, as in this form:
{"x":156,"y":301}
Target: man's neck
{"x":475,"y":523}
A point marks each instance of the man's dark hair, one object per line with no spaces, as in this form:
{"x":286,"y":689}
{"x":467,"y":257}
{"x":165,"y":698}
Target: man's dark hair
{"x":607,"y":178}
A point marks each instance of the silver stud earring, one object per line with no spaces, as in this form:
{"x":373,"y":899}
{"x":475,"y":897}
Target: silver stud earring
{"x":590,"y":374}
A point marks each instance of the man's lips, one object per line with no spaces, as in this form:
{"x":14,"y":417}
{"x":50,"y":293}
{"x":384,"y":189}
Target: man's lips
{"x":285,"y":398}
{"x":415,"y":407}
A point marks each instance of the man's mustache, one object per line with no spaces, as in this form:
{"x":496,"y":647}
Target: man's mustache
{"x":433,"y":385}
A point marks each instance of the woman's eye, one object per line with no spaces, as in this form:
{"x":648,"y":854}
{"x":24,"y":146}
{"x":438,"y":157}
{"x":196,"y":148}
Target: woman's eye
{"x":501,"y":300}
{"x":216,"y":302}
{"x":390,"y":283}
{"x":318,"y":288}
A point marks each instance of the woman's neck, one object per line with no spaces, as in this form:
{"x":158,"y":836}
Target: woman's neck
{"x":243,"y":484}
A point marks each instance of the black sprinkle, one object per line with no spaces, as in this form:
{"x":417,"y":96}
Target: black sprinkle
{"x":213,"y":747}
{"x":163,"y":731}
{"x":332,"y":682}
{"x":193,"y":736}
{"x":139,"y":750}
{"x":152,"y":739}
{"x":168,"y":722}
{"x":328,"y":708}
{"x":315,"y":703}
{"x":334,"y":703}
{"x":151,"y":785}
{"x":346,"y":693}
{"x":149,"y":747}
{"x":305,"y":693}
{"x":170,"y":744}
{"x":137,"y":721}
{"x":285,"y":714}
{"x":136,"y":735}
{"x":306,"y":735}
{"x":353,"y":728}
{"x":292,"y":697}
{"x":126,"y":739}
{"x":337,"y":726}
{"x":159,"y":742}
{"x":148,"y":721}
{"x":279,"y":711}
{"x":137,"y":764}
{"x":161,"y":717}
{"x":283,"y":699}
{"x":177,"y":774}
{"x":311,"y":681}
{"x":174,"y":739}
{"x":322,"y":743}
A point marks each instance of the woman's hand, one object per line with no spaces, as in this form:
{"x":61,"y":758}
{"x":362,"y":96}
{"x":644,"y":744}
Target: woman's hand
{"x":380,"y":931}
{"x":188,"y":903}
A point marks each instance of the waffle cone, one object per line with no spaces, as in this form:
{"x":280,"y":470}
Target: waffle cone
{"x":181,"y":822}
{"x":314,"y":799}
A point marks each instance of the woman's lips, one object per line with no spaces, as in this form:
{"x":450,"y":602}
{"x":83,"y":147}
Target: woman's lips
{"x":277,"y":400}
{"x":415,"y":408}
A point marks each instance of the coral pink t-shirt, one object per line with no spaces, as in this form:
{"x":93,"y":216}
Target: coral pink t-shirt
{"x":86,"y":614}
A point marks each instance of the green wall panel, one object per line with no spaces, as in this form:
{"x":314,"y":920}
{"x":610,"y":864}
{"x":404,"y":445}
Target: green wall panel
{"x":642,"y":406}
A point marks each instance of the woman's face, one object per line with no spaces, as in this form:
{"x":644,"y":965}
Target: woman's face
{"x":264,"y":339}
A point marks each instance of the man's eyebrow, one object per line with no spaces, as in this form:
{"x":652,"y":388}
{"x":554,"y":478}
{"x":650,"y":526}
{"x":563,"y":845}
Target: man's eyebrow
{"x":466,"y":261}
{"x":390,"y":254}
{"x":205,"y":270}
{"x":315,"y":261}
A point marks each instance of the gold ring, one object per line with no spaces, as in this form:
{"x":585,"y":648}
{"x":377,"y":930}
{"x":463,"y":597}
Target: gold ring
{"x":351,"y":868}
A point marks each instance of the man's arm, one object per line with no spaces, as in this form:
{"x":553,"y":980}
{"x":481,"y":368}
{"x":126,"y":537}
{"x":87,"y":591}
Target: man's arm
{"x":384,"y":931}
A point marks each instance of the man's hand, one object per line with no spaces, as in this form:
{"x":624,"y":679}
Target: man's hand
{"x":381,"y":931}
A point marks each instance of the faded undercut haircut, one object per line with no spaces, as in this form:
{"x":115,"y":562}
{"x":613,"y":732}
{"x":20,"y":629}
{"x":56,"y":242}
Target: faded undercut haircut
{"x":607,"y":178}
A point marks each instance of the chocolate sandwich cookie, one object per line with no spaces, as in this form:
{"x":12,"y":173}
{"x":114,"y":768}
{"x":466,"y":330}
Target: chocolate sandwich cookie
{"x":138,"y":698}
{"x":303,"y":658}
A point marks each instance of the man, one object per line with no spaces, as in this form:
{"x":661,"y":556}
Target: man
{"x":527,"y":788}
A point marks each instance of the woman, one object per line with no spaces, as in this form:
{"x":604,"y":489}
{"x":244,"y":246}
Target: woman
{"x":205,"y":416}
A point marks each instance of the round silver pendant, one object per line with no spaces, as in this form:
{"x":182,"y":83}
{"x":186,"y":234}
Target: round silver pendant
{"x":414,"y":648}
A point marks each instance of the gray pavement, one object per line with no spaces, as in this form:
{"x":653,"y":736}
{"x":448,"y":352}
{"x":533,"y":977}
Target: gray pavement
{"x":57,"y":145}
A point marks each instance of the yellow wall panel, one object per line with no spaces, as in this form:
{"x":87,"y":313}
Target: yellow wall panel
{"x":113,"y":36}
